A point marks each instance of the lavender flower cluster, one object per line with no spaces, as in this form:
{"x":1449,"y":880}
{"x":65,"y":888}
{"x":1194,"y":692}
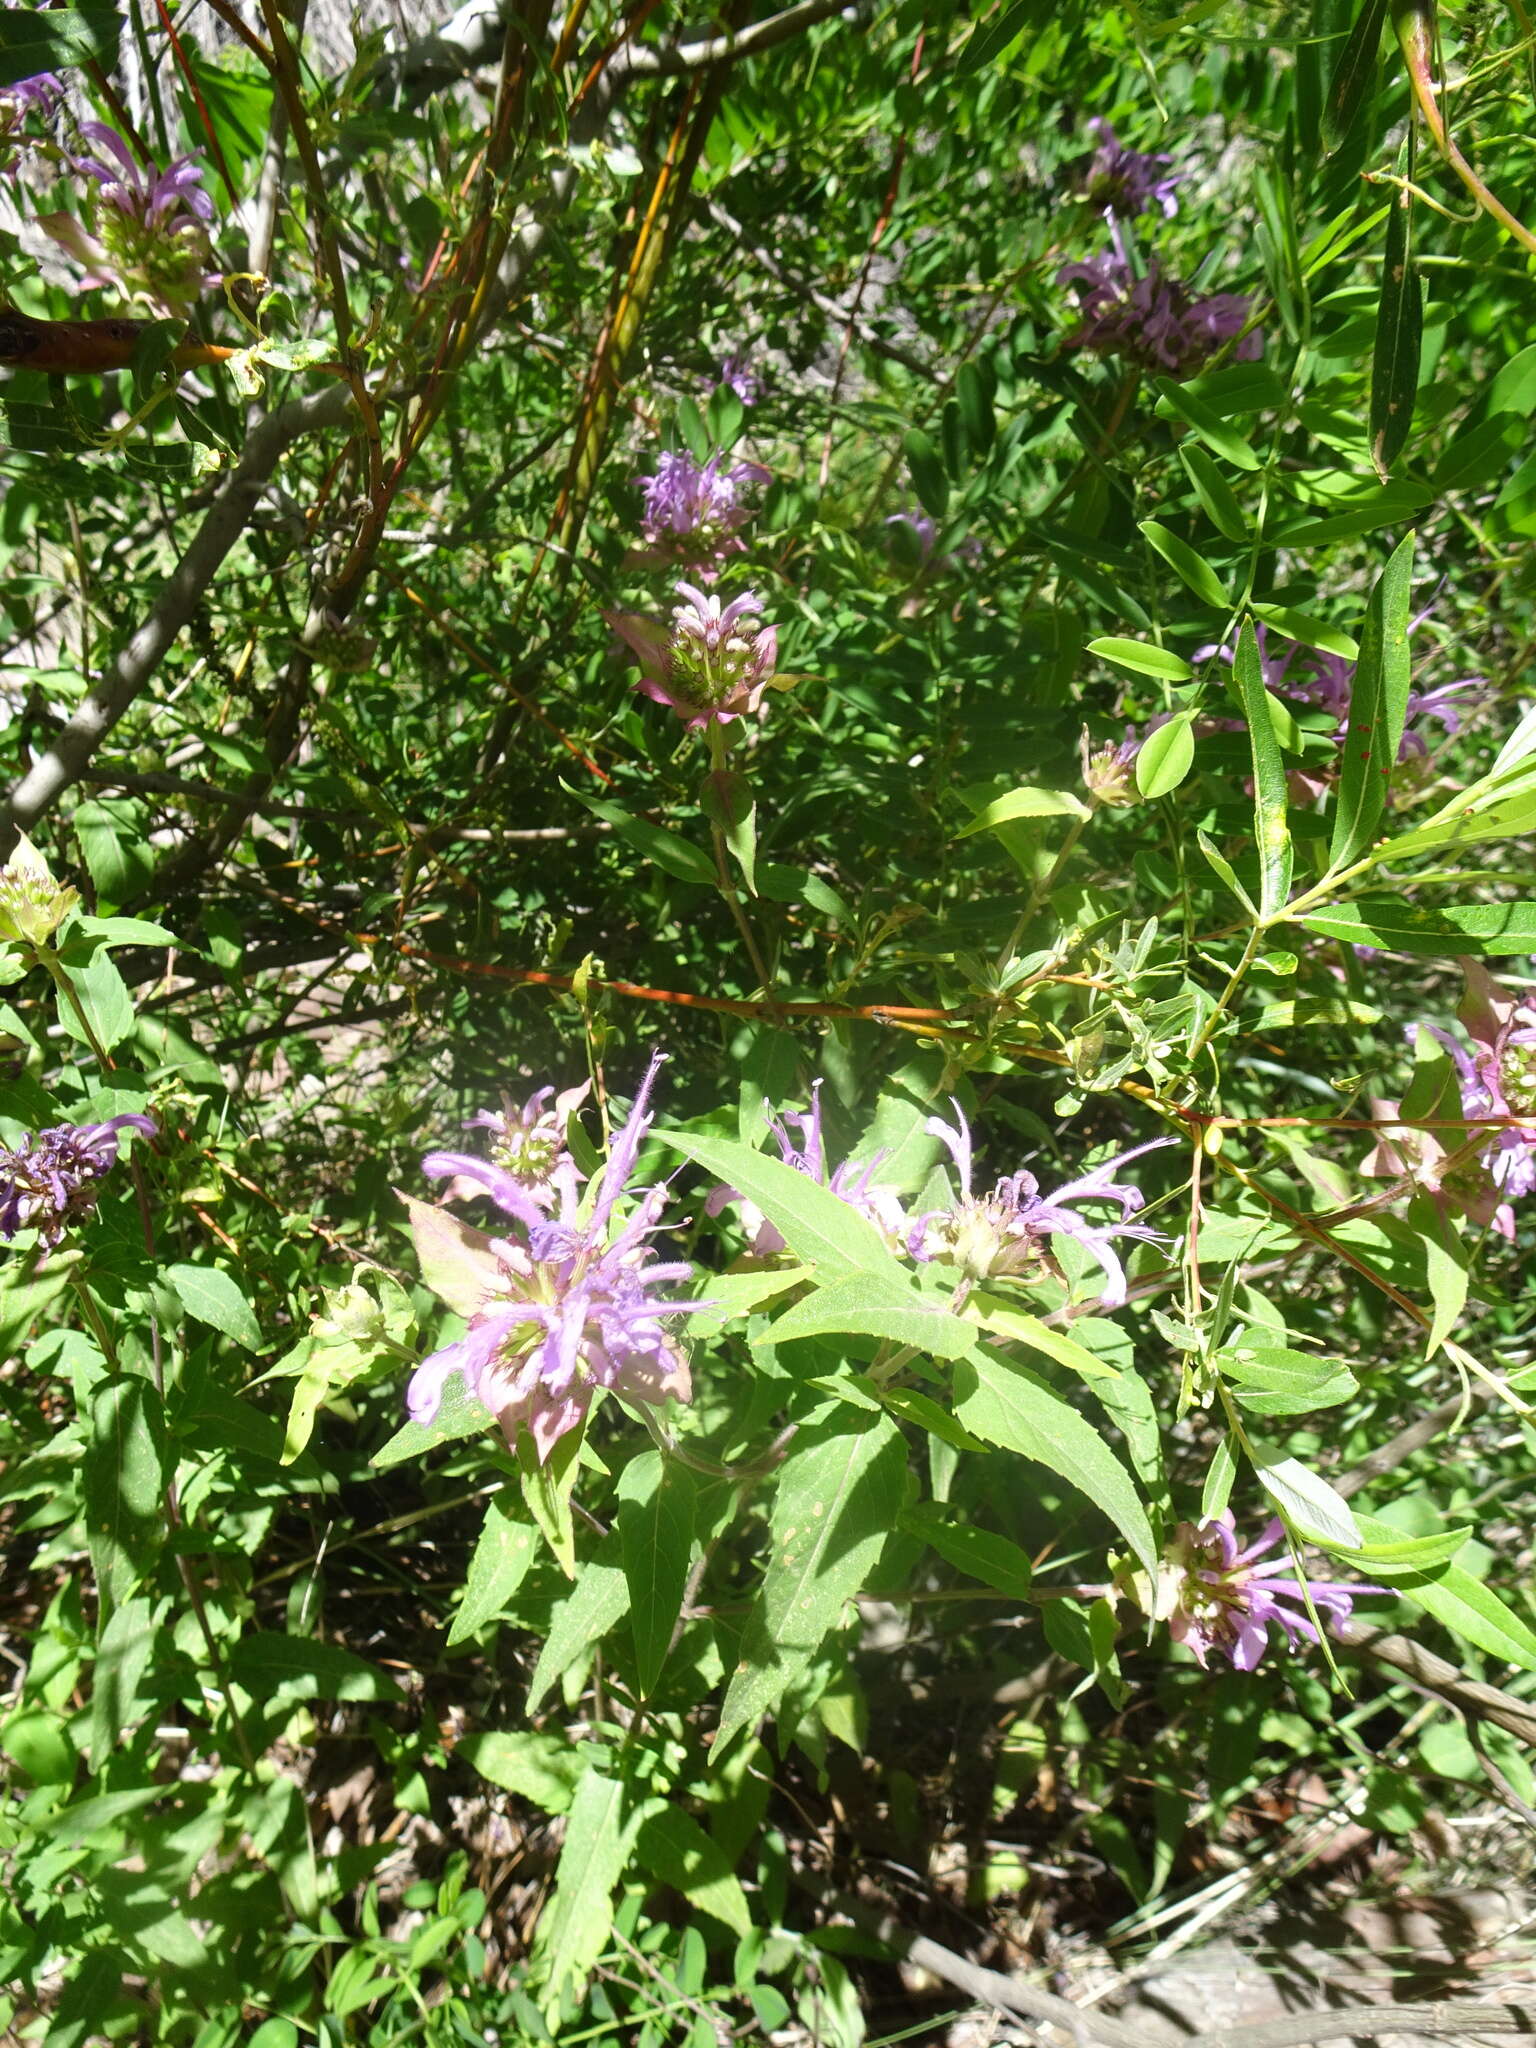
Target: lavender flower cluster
{"x":1483,"y":1174}
{"x":710,"y":662}
{"x":1132,"y":308}
{"x":561,"y":1301}
{"x":147,"y":232}
{"x":1216,"y":1597}
{"x":52,"y":1179}
{"x":1004,"y":1232}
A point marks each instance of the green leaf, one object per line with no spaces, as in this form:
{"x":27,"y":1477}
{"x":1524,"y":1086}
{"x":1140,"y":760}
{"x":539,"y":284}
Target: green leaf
{"x":929,"y":479}
{"x":573,"y":1929}
{"x":1217,"y":498}
{"x":502,"y":1555}
{"x":460,"y":1415}
{"x":1399,"y":341}
{"x":1142,"y":659}
{"x":1007,"y":1404}
{"x":1272,"y":1380}
{"x":976,"y":412}
{"x":1271,"y":830}
{"x":1166,"y":756}
{"x":1479,"y":453}
{"x":675,"y":1849}
{"x":1389,"y":505}
{"x":1472,"y":1611}
{"x":102,"y":995}
{"x":1496,"y":807}
{"x":1191,"y":568}
{"x":880,"y":1305}
{"x":596,"y":1601}
{"x":545,"y":1769}
{"x":991,"y":40}
{"x":1026,"y":803}
{"x":655,"y":1525}
{"x":1386,"y":1551}
{"x":819,"y":1229}
{"x":1353,"y":74}
{"x":123,"y":1483}
{"x":1223,"y":867}
{"x":1309,"y":632}
{"x":274,"y":1667}
{"x":123,"y":1655}
{"x":1485,"y":930}
{"x":1307,"y":1502}
{"x":32,"y":40}
{"x":1002,"y":1319}
{"x":1174,"y":402}
{"x":1377,"y":707}
{"x":674,"y":856}
{"x":212,"y":1297}
{"x":838,"y":1495}
{"x":726,"y":800}
{"x":977,"y":1552}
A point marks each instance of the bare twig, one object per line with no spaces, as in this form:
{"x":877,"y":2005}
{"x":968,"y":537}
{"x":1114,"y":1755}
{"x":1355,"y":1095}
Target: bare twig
{"x":1433,"y":1674}
{"x":642,"y":60}
{"x":128,"y":672}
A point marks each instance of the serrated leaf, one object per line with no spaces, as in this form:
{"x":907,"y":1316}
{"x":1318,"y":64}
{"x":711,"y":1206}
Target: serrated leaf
{"x":819,"y":1229}
{"x":273,"y":1667}
{"x":655,"y":1525}
{"x":123,"y":1483}
{"x":1142,"y":658}
{"x":596,"y":1601}
{"x":1472,"y":1611}
{"x":1273,"y":1380}
{"x":213,"y":1297}
{"x":838,"y":1494}
{"x":980,"y":1554}
{"x":1009,"y":1405}
{"x":545,"y":1769}
{"x":1271,"y":829}
{"x":673,"y":1847}
{"x":875,"y":1305}
{"x":574,"y":1927}
{"x":505,"y":1549}
{"x":1377,"y":707}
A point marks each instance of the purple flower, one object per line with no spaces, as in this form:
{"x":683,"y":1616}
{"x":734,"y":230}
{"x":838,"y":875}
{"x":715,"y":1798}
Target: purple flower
{"x":1153,"y":320}
{"x":1007,"y":1232}
{"x":1311,"y":675}
{"x":798,"y":1136}
{"x":693,"y":512}
{"x":53,"y":1178}
{"x":148,"y":233}
{"x":1123,"y":182}
{"x":37,"y":95}
{"x":1217,"y":1597}
{"x":742,"y":379}
{"x":715,"y":662}
{"x":1497,"y":1079}
{"x":559,"y":1307}
{"x":528,"y":1144}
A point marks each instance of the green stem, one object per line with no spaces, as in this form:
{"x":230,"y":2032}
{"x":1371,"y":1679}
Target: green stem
{"x":1043,"y":888}
{"x":719,"y":753}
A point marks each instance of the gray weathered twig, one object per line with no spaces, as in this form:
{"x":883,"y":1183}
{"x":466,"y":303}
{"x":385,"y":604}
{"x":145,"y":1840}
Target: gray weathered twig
{"x":131,"y":668}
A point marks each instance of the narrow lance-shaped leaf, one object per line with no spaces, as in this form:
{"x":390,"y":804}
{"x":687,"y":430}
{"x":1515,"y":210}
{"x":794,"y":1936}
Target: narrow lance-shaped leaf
{"x":1378,"y":705}
{"x":1399,"y":339}
{"x":1353,"y":74}
{"x":1271,"y":831}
